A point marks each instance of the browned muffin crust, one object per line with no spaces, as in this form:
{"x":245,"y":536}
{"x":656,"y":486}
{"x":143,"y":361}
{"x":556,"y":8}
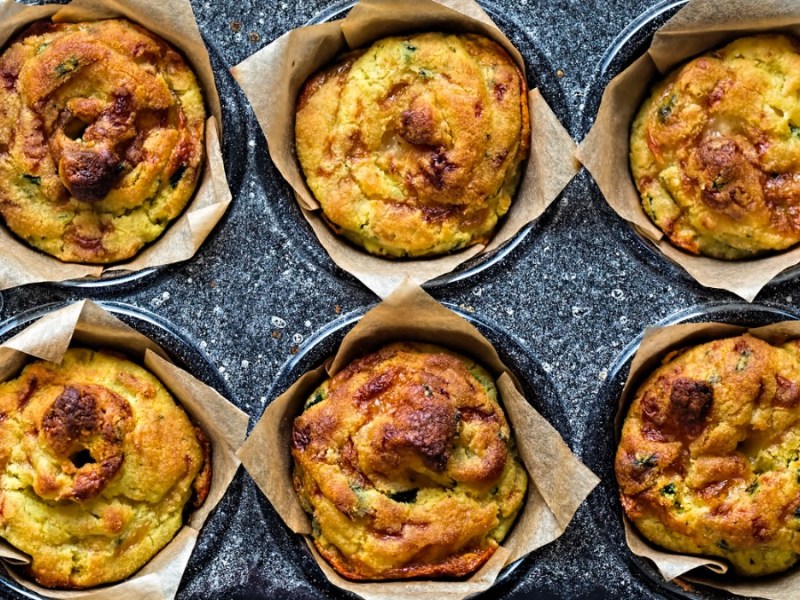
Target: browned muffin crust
{"x":415,"y":146}
{"x":715,"y":150}
{"x":407,"y":465}
{"x":101,"y":138}
{"x":709,"y":458}
{"x":97,"y":466}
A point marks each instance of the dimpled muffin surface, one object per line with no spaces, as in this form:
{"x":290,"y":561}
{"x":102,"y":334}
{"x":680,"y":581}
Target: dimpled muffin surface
{"x":709,"y":458}
{"x":715,"y":150}
{"x":414,"y":147}
{"x":101,"y":138}
{"x":97,"y":463}
{"x":407,"y":465}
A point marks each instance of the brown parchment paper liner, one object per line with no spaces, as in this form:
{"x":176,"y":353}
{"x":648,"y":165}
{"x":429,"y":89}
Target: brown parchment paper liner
{"x":174,"y":21}
{"x":558,"y":481}
{"x":657,"y":342}
{"x":699,"y":26}
{"x":85,"y":323}
{"x":272,"y":77}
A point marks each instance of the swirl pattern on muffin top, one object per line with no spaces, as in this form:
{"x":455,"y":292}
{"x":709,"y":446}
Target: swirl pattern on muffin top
{"x":709,"y":458}
{"x":97,"y":464}
{"x":101,"y":138}
{"x":415,"y":146}
{"x":715,"y":150}
{"x":407,"y":465}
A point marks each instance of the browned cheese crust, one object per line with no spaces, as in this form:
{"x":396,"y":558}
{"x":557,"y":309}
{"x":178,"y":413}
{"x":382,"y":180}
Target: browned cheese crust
{"x":415,"y":146}
{"x":709,"y":459}
{"x":715,"y":150}
{"x":101,"y":138}
{"x":407,"y":465}
{"x":97,"y":464}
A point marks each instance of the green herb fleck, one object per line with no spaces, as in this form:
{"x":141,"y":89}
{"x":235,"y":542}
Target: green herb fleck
{"x":718,"y":183}
{"x":35,"y":180}
{"x":666,"y":109}
{"x":750,"y":489}
{"x":68,"y":66}
{"x":175,"y":178}
{"x":797,"y":513}
{"x":425,"y":74}
{"x":646,"y":462}
{"x":743,"y":359}
{"x":668,"y":490}
{"x":411,"y":47}
{"x":723,"y":545}
{"x":318,"y":397}
{"x":406,"y":497}
{"x":495,"y":489}
{"x":794,"y":129}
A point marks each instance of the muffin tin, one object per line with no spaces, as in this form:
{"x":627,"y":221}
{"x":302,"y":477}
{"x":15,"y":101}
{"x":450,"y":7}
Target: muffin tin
{"x":261,"y":301}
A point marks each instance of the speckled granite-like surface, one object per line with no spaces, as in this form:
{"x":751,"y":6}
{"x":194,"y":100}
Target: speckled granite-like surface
{"x":574,"y":293}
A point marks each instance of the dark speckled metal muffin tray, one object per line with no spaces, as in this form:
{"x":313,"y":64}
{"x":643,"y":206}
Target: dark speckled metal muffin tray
{"x":564,"y":301}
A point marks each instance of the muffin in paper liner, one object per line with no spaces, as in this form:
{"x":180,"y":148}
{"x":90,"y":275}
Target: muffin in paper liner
{"x":558,"y":481}
{"x":655,"y":345}
{"x":273,"y":77}
{"x":699,"y":26}
{"x":173,"y":21}
{"x":87,"y":324}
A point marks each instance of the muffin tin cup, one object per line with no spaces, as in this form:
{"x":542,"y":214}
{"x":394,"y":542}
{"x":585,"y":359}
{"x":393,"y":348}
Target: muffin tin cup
{"x":630,"y":44}
{"x":174,"y":21}
{"x":266,"y":454}
{"x":652,"y":44}
{"x":600,"y":445}
{"x":47,"y":331}
{"x":541,"y":75}
{"x":272,"y":78}
{"x":235,"y":155}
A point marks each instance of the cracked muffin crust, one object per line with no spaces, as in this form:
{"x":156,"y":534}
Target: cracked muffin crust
{"x":97,"y":464}
{"x":709,"y":458}
{"x":101,"y":138}
{"x":715,"y":150}
{"x":415,"y":146}
{"x":407,"y":465}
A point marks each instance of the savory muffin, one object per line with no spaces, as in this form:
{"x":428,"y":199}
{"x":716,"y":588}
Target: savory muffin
{"x":101,"y":138}
{"x":709,"y":459}
{"x":97,"y":464}
{"x":414,"y":146}
{"x":407,"y":465}
{"x":715,"y":150}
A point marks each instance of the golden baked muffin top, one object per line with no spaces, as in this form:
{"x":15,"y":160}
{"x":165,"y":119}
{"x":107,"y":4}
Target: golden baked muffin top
{"x":101,"y":138}
{"x":414,"y":146}
{"x":715,"y":150}
{"x":407,"y":465}
{"x":709,"y":458}
{"x":97,"y":463}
